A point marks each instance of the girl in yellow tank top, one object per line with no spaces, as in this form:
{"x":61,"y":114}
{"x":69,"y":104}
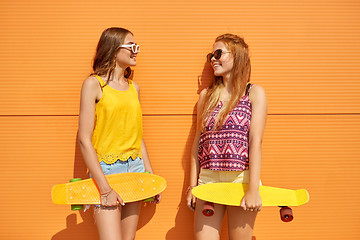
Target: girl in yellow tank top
{"x":118,"y":130}
{"x":110,"y":130}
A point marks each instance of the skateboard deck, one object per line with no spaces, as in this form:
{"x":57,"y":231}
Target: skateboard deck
{"x":131,"y":187}
{"x":232,"y":194}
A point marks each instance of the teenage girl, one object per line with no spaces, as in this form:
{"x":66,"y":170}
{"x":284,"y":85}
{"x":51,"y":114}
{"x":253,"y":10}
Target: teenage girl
{"x":110,"y":130}
{"x":227,"y":145}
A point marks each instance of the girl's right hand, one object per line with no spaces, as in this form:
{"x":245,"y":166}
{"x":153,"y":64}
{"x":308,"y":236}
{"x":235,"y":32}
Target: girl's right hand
{"x":191,"y":201}
{"x":111,"y":199}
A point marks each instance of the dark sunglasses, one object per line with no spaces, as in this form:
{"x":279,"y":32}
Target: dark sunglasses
{"x":217,"y":55}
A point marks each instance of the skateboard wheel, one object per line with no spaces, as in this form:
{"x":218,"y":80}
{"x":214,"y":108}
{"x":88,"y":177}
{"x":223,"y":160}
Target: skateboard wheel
{"x":75,"y":179}
{"x":286,"y":214}
{"x":148,"y":199}
{"x":76,"y":207}
{"x":208,"y":209}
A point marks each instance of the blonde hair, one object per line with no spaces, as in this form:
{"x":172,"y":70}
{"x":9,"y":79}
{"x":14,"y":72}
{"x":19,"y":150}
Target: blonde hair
{"x":108,"y":46}
{"x":240,"y":76}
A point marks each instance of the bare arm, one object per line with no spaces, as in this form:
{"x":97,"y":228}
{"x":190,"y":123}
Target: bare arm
{"x":90,"y":92}
{"x":144,"y":153}
{"x":257,"y":96}
{"x":146,"y":158}
{"x":257,"y":128}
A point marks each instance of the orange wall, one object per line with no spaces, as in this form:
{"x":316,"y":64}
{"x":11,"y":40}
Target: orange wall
{"x":304,"y":53}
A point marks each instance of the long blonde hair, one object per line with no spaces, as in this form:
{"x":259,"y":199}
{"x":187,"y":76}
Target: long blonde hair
{"x":108,"y":46}
{"x":240,"y":76}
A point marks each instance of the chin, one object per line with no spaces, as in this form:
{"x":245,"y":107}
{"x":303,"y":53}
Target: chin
{"x":217,"y":74}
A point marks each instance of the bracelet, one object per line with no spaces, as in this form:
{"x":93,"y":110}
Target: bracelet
{"x":106,"y":194}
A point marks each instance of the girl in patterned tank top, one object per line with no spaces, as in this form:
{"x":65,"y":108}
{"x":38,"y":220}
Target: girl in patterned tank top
{"x":231,"y":119}
{"x":110,"y":130}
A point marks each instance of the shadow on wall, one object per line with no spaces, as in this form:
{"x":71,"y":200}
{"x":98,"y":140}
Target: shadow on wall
{"x":204,"y":80}
{"x":184,"y":217}
{"x":184,"y":214}
{"x":87,"y":228}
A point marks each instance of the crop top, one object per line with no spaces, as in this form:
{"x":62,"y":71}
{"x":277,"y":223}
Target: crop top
{"x":227,"y":149}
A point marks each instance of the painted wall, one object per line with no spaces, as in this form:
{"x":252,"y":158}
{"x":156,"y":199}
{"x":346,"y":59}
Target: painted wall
{"x":304,"y":53}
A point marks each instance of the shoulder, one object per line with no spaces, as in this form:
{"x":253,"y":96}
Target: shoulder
{"x":91,"y":82}
{"x":202,"y":96}
{"x":257,"y":93}
{"x":136,"y":86}
{"x":91,"y":85}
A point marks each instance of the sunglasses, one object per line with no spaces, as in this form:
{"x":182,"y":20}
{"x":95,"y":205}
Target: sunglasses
{"x":133,"y":47}
{"x":217,"y":55}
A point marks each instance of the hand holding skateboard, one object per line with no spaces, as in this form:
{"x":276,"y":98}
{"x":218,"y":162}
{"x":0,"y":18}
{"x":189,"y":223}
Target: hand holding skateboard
{"x":251,"y":201}
{"x":111,"y":199}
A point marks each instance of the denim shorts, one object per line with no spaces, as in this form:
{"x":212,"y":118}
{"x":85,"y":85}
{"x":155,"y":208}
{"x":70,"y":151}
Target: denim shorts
{"x":129,"y":165}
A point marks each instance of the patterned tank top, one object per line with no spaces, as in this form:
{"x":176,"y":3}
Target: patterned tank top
{"x":227,"y":149}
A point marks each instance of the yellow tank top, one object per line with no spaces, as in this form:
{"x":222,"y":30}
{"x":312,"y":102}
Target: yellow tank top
{"x":118,"y":124}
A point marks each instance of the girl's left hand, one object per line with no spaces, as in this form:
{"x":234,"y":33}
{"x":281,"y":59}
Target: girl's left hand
{"x":157,"y":199}
{"x":251,"y":201}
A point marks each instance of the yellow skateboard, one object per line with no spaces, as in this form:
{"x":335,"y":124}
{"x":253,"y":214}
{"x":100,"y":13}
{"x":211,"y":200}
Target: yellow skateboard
{"x":232,"y":194}
{"x":131,"y":187}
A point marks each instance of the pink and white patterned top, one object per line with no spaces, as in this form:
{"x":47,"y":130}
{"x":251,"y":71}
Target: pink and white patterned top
{"x":227,"y":149}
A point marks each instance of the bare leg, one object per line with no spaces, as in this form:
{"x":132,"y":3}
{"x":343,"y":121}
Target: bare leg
{"x":108,"y":223}
{"x":129,"y":220}
{"x":241,"y":223}
{"x":208,"y":228}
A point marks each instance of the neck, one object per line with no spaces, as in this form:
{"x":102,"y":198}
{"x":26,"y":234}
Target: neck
{"x":118,"y":74}
{"x":227,"y":85}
